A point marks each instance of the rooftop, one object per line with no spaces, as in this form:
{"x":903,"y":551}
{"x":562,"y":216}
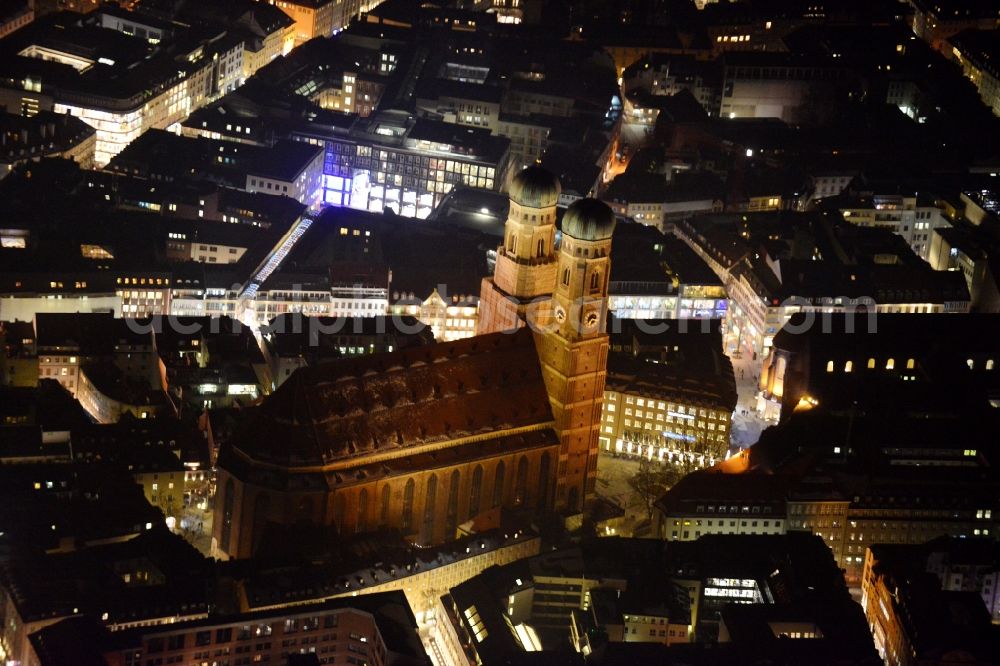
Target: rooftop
{"x":170,"y":156}
{"x":347,"y":409}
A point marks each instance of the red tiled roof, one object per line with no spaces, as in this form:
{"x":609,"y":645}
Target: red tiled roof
{"x":482,"y":385}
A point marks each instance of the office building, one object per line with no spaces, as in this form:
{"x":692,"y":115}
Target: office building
{"x":670,"y":392}
{"x":316,"y":18}
{"x":818,"y":357}
{"x":765,"y":85}
{"x":25,"y":140}
{"x":918,"y":616}
{"x":663,"y":75}
{"x":912,"y":217}
{"x":15,"y":15}
{"x":405,"y":164}
{"x":937,"y":22}
{"x":378,"y":630}
{"x":909,"y":475}
{"x":629,"y":591}
{"x":775,"y":265}
{"x":120,"y":72}
{"x":976,"y":51}
{"x":287,"y":168}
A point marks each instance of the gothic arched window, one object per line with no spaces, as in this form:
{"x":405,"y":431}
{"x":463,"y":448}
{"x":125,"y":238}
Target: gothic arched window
{"x":384,"y":509}
{"x":543,"y":482}
{"x":498,"y":484}
{"x":476,"y":491}
{"x":362,"y":523}
{"x":451,"y":522}
{"x":407,"y":521}
{"x":521,"y":481}
{"x":339,"y":504}
{"x":430,"y":499}
{"x":541,"y":247}
{"x":260,"y":508}
{"x":565,"y":279}
{"x":594,"y":278}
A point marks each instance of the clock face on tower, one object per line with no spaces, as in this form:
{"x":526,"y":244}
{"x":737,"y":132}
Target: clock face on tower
{"x":590,"y":319}
{"x":560,"y":315}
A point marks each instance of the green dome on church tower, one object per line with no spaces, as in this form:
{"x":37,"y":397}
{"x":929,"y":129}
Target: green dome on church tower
{"x":535,"y":187}
{"x":588,"y":220}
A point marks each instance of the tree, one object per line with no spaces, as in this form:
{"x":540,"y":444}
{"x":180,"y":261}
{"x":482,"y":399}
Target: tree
{"x":655,"y":478}
{"x":649,"y":483}
{"x":675,"y":471}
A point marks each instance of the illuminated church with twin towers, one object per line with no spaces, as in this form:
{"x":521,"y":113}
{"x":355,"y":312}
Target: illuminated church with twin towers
{"x":423,"y":439}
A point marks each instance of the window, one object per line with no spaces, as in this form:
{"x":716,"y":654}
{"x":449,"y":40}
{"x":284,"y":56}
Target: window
{"x":384,"y":509}
{"x":890,"y":364}
{"x":430,"y":499}
{"x":521,"y":481}
{"x":910,"y":363}
{"x":594,"y":278}
{"x":848,"y":366}
{"x":476,"y":490}
{"x":498,"y":480}
{"x":362,"y":522}
{"x":451,"y":520}
{"x":543,"y":482}
{"x":478,"y":628}
{"x":565,"y":276}
{"x":407,"y":520}
{"x":829,"y":366}
{"x":871,"y":364}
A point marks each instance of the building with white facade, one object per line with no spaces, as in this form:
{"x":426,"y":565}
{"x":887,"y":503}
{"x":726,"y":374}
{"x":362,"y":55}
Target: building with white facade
{"x":670,"y":392}
{"x":772,"y":272}
{"x":912,"y":217}
{"x":125,"y":72}
{"x":772,"y":85}
{"x":976,"y":51}
{"x":663,"y":75}
{"x":659,"y":277}
{"x":287,"y":168}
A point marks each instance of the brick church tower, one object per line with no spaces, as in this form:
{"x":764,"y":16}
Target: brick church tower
{"x":525,"y":275}
{"x":426,"y":438}
{"x":573,"y":350}
{"x":562,"y":296}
